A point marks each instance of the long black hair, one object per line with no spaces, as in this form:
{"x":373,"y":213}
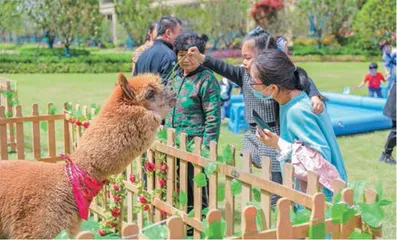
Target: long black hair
{"x":275,"y":67}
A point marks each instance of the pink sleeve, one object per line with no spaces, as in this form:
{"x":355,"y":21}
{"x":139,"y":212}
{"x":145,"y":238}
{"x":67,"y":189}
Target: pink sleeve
{"x":305,"y":159}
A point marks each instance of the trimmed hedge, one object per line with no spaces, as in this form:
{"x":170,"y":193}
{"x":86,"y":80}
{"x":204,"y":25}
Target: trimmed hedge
{"x":47,"y":52}
{"x":302,"y":50}
{"x":64,"y":68}
{"x":81,"y":64}
{"x":105,"y":58}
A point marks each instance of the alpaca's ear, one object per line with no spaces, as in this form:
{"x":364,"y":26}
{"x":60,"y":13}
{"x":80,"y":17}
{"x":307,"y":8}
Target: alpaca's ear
{"x":127,"y":90}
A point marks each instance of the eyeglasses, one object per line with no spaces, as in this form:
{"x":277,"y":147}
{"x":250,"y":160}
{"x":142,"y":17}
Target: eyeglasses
{"x":373,"y":68}
{"x":256,"y":84}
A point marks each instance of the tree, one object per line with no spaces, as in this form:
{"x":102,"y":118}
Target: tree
{"x":341,"y":12}
{"x":42,"y":13}
{"x":376,"y":18}
{"x":66,"y":19}
{"x":78,"y":18}
{"x":135,"y":16}
{"x":10,"y":15}
{"x":222,"y":20}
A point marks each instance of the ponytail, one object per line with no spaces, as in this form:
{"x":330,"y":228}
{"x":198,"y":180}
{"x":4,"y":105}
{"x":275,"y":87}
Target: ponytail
{"x":301,"y":78}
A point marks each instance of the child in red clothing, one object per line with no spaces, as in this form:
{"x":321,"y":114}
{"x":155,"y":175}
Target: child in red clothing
{"x":373,"y":78}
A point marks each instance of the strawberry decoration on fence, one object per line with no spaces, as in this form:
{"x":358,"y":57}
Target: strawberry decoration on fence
{"x":78,"y":118}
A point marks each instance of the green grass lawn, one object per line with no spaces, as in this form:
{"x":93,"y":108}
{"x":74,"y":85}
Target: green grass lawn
{"x":360,"y":151}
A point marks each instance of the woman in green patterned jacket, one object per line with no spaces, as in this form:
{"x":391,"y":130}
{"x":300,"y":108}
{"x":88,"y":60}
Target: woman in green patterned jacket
{"x":198,"y":109}
{"x":197,"y":112}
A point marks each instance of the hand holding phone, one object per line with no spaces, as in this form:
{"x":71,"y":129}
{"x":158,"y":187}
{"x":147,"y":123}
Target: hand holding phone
{"x":260,"y":121}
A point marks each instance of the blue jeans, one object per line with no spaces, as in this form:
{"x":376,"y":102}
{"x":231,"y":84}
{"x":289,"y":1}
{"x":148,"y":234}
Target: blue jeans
{"x":372,"y":91}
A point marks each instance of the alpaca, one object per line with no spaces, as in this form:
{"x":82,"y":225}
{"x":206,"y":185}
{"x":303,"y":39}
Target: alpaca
{"x":37,"y":199}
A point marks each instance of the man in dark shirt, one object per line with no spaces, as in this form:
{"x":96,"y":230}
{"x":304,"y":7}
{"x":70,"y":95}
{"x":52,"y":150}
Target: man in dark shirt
{"x":160,"y":58}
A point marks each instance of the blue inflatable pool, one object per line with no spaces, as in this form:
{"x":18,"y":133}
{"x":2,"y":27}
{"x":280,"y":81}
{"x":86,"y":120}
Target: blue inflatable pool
{"x":355,"y":114}
{"x":349,"y":114}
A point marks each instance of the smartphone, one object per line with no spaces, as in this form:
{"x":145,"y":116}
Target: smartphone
{"x":260,"y":121}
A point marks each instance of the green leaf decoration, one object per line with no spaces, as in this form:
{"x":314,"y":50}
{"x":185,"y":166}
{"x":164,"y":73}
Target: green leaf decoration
{"x":259,"y":220}
{"x":156,"y":231}
{"x":90,"y":225}
{"x":235,"y":186}
{"x":8,"y":114}
{"x":14,"y":102}
{"x":89,"y":116}
{"x":147,"y":223}
{"x":317,"y":231}
{"x":204,"y":211}
{"x":220,"y":159}
{"x":371,"y":214}
{"x":357,"y":235}
{"x":337,"y":197}
{"x":384,"y":202}
{"x":341,"y":213}
{"x":358,"y":188}
{"x":221,"y":193}
{"x":182,"y":197}
{"x":215,"y":230}
{"x":200,"y":180}
{"x":52,"y":110}
{"x":190,"y":147}
{"x":68,"y":106}
{"x":62,"y":235}
{"x":227,"y":154}
{"x":210,"y":168}
{"x":8,"y":94}
{"x":205,"y":152}
{"x":43,"y":126}
{"x":257,"y":194}
{"x":162,"y":135}
{"x":301,"y":216}
{"x":379,"y":190}
{"x":191,"y":213}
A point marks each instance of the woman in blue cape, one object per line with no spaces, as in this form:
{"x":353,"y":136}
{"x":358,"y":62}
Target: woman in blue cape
{"x":307,"y":139}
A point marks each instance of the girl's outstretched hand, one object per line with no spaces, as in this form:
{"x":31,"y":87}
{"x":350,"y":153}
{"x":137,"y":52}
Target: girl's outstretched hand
{"x":194,"y":52}
{"x":317,"y":104}
{"x":267,"y":137}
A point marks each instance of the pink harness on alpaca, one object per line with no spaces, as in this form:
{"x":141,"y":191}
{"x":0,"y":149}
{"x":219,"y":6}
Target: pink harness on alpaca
{"x":84,"y":186}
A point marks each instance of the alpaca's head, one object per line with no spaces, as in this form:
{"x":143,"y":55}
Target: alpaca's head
{"x":147,"y":91}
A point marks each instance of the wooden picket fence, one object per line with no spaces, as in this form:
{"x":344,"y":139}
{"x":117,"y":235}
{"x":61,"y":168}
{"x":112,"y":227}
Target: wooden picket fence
{"x":41,"y":152}
{"x":312,"y":199}
{"x":133,"y":224}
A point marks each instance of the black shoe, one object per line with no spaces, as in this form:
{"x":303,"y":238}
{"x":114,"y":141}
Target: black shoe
{"x":390,"y":160}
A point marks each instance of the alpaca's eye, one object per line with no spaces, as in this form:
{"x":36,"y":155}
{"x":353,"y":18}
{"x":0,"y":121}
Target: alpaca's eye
{"x":150,"y":94}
